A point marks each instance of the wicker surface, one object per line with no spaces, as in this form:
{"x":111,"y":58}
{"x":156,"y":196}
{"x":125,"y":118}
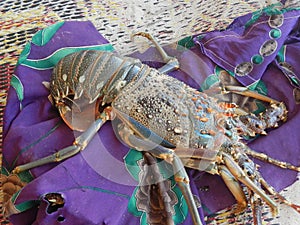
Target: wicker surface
{"x":116,"y":20}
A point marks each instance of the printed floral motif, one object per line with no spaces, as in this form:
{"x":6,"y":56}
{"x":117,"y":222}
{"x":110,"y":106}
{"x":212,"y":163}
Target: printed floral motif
{"x":154,"y":198}
{"x":157,"y":199}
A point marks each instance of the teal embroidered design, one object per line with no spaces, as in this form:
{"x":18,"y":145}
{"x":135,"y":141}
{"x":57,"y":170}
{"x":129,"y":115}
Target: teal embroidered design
{"x":275,"y":33}
{"x":24,"y":206}
{"x":50,"y":61}
{"x":257,"y":59}
{"x":17,"y":85}
{"x":186,"y":42}
{"x":24,"y":54}
{"x":274,"y":9}
{"x":42,"y":37}
{"x":281,"y":54}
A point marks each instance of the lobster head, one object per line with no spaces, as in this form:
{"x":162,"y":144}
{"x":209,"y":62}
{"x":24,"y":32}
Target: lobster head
{"x":83,"y":83}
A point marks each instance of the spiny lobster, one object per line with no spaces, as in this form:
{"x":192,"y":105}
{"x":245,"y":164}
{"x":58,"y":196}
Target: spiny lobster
{"x":167,"y":119}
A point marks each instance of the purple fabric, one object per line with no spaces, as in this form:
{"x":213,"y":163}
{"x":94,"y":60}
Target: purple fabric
{"x":95,"y":183}
{"x":68,"y":39}
{"x":239,"y":43}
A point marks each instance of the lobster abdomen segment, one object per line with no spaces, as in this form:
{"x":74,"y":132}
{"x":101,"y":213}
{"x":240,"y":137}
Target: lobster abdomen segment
{"x":84,"y":73}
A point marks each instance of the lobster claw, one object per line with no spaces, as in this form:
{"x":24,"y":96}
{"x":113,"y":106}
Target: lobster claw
{"x":79,"y":116}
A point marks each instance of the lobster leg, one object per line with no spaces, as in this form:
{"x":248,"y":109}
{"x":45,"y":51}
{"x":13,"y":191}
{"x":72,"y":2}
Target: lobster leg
{"x":241,"y":176}
{"x":254,"y":182}
{"x":159,"y":151}
{"x":233,"y":185}
{"x":246,"y":92}
{"x":266,"y":158}
{"x":171,"y":62}
{"x":238,"y":193}
{"x":230,"y":180}
{"x":79,"y":144}
{"x":271,"y":190}
{"x":182,"y":180}
{"x":235,"y":188}
{"x":256,"y":205}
